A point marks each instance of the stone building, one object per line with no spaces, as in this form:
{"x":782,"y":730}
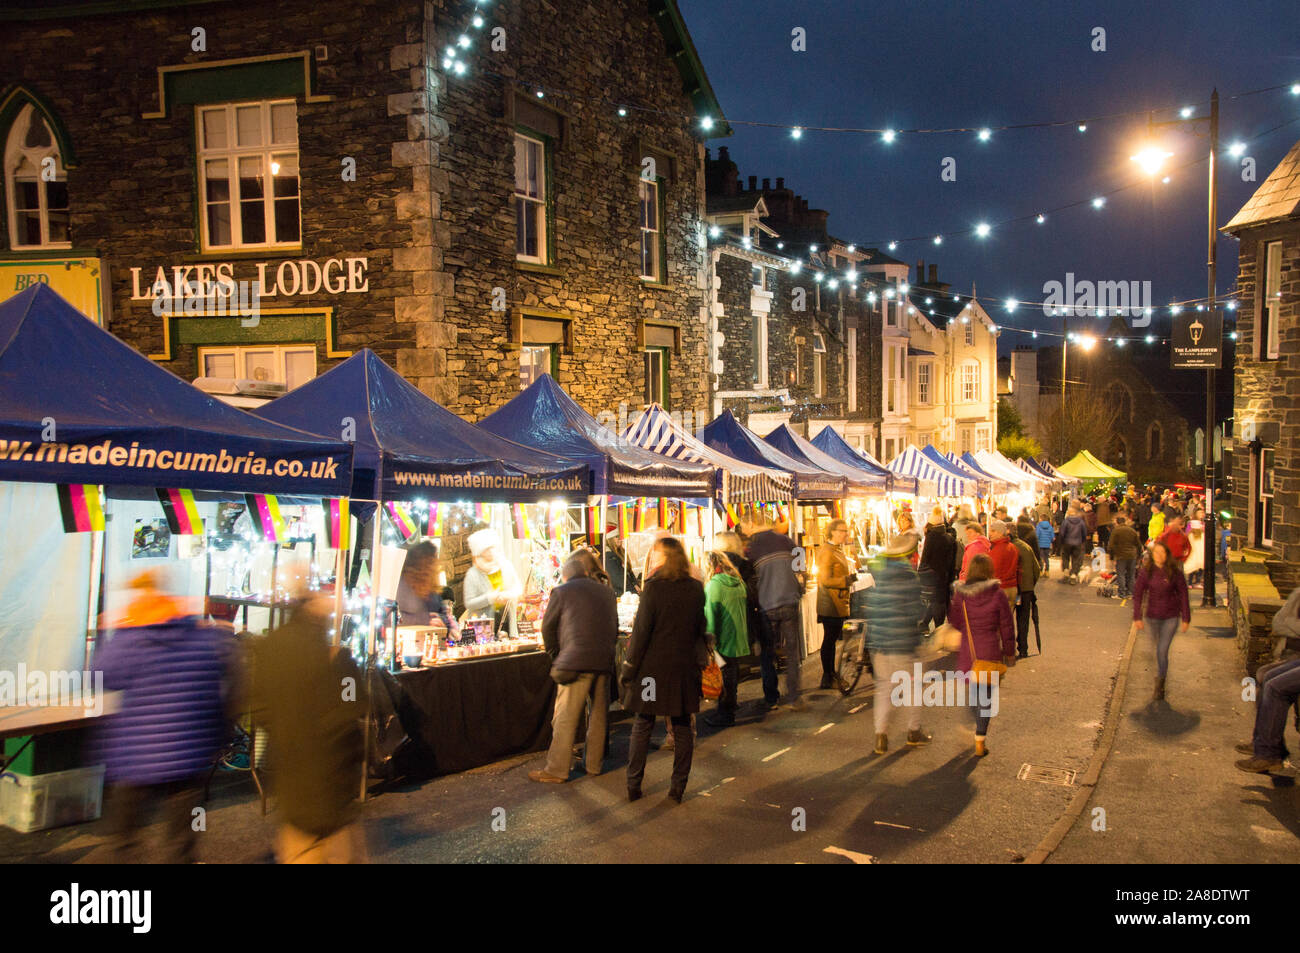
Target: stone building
{"x":1266,"y":426}
{"x":443,"y":181}
{"x":799,"y":340}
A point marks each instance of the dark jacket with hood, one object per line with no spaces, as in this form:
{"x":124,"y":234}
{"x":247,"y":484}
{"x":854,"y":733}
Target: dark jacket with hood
{"x":1074,"y":531}
{"x":991,"y":626}
{"x":580,"y":627}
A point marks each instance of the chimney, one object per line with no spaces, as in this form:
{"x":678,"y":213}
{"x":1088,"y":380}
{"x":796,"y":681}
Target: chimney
{"x":934,"y":274}
{"x":767,"y":185}
{"x":753,"y":183}
{"x":724,"y":154}
{"x":780,"y":182}
{"x":920,"y":271}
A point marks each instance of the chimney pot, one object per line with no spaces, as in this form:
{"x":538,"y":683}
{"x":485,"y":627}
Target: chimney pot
{"x":780,"y":182}
{"x":767,"y":185}
{"x":934,"y":274}
{"x":724,"y":153}
{"x":753,"y":183}
{"x":920,"y":271}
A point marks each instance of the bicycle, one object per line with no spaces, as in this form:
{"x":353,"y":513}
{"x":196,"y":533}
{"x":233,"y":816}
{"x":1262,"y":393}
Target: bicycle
{"x":854,"y":655}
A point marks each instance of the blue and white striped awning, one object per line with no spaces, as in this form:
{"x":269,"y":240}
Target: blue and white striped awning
{"x":934,"y":480}
{"x":737,"y":481}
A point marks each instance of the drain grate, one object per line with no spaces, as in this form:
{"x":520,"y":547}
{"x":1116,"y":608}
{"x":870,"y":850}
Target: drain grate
{"x":1046,"y":775}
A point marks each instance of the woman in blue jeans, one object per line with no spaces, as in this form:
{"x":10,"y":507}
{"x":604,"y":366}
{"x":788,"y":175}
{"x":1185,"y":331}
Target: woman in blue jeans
{"x":1161,"y":580}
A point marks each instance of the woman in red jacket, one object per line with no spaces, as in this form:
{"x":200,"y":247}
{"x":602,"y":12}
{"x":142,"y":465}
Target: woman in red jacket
{"x":980,"y":602}
{"x":1161,"y":580}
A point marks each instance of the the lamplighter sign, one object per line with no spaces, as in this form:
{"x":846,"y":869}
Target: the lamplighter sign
{"x":1197,"y":341}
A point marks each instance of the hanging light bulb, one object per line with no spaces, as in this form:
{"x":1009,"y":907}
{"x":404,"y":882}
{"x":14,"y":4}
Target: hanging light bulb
{"x":706,"y":122}
{"x":1098,"y":202}
{"x":893,"y":245}
{"x":985,"y":135}
{"x":1082,"y":127}
{"x":796,"y":133}
{"x":938,"y":239}
{"x":889,"y":135}
{"x":1041,"y":218}
{"x":982,"y":230}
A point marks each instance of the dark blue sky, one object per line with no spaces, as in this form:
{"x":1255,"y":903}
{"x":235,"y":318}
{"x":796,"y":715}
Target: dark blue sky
{"x":929,"y":64}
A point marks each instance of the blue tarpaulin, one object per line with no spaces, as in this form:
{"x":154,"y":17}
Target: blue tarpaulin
{"x":725,"y":433}
{"x":861,"y":481}
{"x":543,"y":416}
{"x":79,"y":406}
{"x":409,"y":446}
{"x":832,"y":444}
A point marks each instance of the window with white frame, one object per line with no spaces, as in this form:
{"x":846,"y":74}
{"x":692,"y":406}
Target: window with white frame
{"x":1262,"y":487}
{"x":970,"y":382}
{"x":967,"y":435}
{"x":896,"y":379}
{"x":656,"y":376}
{"x":852,"y":374}
{"x":758,"y":349}
{"x":530,"y":199}
{"x":819,"y":366}
{"x":287,"y":364}
{"x":889,"y":449}
{"x":534,"y":361}
{"x":1270,"y":305}
{"x":970,"y":332}
{"x":923,"y":371}
{"x":983,"y":437}
{"x":649,"y":199}
{"x":798,"y":364}
{"x":36,"y":185}
{"x":248,"y":175}
{"x":891,"y":312}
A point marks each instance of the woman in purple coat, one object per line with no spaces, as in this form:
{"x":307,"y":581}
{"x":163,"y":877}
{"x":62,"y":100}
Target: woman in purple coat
{"x":1162,"y":581}
{"x":979,"y":602}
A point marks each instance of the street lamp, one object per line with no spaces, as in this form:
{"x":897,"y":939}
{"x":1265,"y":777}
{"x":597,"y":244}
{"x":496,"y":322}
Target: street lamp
{"x":1150,"y":154}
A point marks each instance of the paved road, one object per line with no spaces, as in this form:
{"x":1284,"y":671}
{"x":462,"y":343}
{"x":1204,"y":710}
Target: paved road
{"x":751,"y":783}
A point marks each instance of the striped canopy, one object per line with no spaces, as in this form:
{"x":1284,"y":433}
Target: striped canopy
{"x":999,"y":466}
{"x":1030,"y":465}
{"x":934,"y":480}
{"x":1063,"y":477}
{"x":726,"y":434}
{"x":977,"y":484}
{"x":737,"y":481}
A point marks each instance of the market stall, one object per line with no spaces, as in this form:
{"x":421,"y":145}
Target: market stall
{"x":110,"y":466}
{"x":470,"y":685}
{"x":1090,"y":471}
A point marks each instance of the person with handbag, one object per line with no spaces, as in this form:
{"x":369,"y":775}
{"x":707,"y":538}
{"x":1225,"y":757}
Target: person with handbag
{"x":988,"y":642}
{"x":726,"y":610}
{"x":579,"y":630}
{"x":1162,"y":582}
{"x":665,"y":656}
{"x":894,"y":611}
{"x":835,"y":576}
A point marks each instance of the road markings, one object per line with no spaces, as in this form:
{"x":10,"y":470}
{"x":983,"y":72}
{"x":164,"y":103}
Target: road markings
{"x":708,"y":791}
{"x":829,"y":724}
{"x":852,"y":855}
{"x":776,"y":754}
{"x":854,"y":711}
{"x":902,"y":827}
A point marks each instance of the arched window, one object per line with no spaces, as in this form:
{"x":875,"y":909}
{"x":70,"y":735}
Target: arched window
{"x":1119,"y":449}
{"x":1121,"y":399}
{"x":36,"y":184}
{"x":1155,"y":441}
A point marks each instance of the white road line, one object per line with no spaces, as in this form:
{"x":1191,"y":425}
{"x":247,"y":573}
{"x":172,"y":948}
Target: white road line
{"x":829,"y":724}
{"x":902,"y":827}
{"x":854,"y":711}
{"x":852,"y":855}
{"x":776,"y":754}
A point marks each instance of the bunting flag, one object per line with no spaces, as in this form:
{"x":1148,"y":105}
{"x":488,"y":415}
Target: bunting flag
{"x":182,"y":515}
{"x":595,"y":522}
{"x":80,"y":507}
{"x":732,"y":519}
{"x":338,"y":524}
{"x":624,"y":520}
{"x":663,"y":512}
{"x":483,"y":512}
{"x":437,"y":518}
{"x":520,"y":517}
{"x":264,"y":511}
{"x":555,"y":522}
{"x":699,"y":520}
{"x":402,"y":520}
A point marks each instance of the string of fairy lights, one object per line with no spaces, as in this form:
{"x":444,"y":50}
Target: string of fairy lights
{"x":455,"y":62}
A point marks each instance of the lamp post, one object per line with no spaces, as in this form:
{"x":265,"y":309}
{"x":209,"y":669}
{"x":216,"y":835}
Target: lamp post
{"x":1151,"y":158}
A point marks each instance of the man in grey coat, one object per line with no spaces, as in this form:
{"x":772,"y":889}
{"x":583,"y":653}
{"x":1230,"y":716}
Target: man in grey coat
{"x":580,"y":630}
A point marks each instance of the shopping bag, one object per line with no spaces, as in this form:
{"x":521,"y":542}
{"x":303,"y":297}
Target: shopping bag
{"x":712,"y":680}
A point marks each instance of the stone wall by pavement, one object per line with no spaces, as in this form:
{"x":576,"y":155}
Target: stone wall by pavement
{"x":1252,"y":603}
{"x":431,"y":208}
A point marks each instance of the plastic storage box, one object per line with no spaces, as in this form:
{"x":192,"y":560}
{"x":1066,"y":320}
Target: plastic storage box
{"x":36,"y":802}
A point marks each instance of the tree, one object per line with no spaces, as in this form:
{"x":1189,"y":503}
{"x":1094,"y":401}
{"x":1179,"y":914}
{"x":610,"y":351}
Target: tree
{"x":1018,"y":446}
{"x":1086,"y":422}
{"x":1010,"y":423}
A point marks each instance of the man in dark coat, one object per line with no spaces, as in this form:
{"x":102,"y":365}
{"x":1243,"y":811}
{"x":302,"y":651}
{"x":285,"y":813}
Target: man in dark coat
{"x":580,"y":630}
{"x":779,"y":593}
{"x":938,"y":568}
{"x":665,"y":656}
{"x":178,"y":678}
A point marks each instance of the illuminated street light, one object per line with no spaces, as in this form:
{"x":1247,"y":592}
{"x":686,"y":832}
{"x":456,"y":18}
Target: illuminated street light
{"x":1151,"y":159}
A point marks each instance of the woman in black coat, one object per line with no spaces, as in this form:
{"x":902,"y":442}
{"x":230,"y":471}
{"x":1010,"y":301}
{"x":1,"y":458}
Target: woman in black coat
{"x":937,"y":566}
{"x":665,"y":656}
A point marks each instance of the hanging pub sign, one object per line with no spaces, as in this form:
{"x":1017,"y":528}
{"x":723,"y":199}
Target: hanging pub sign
{"x":1197,"y":341}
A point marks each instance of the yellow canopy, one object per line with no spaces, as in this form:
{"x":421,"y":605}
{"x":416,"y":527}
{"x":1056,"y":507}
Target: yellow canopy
{"x":1087,"y":467}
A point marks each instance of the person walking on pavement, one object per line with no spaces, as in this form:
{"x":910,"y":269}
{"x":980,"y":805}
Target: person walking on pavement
{"x":1123,"y":547}
{"x":1176,"y":541}
{"x":1142,"y":517}
{"x":731,"y":544}
{"x":977,"y":544}
{"x":666,"y":655}
{"x":315,"y":728}
{"x":1046,"y":533}
{"x":1074,"y":536}
{"x":779,"y":593}
{"x":179,"y":682}
{"x":893,"y":634}
{"x":1006,"y":560}
{"x":937,"y":566}
{"x":1155,"y":525}
{"x":981,"y":612}
{"x":1026,"y":602}
{"x":580,"y":631}
{"x":726,"y":610}
{"x":835,"y":576}
{"x":1161,"y":580}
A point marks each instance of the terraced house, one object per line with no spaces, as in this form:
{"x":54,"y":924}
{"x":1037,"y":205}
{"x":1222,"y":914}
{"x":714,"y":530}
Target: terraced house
{"x":479,"y":192}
